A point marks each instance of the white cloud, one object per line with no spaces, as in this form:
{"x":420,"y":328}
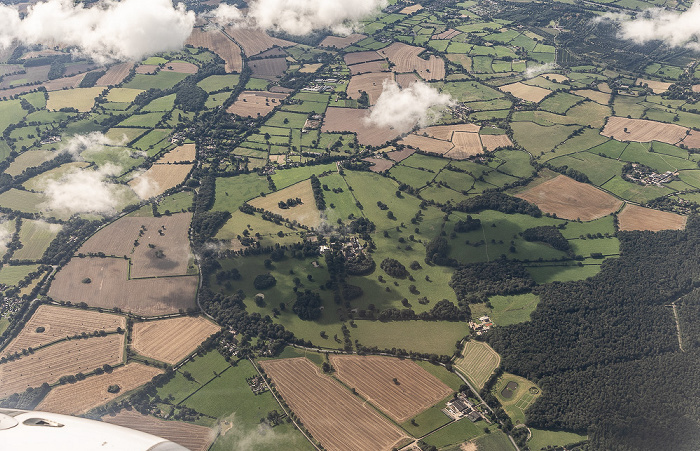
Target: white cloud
{"x":144,"y":186}
{"x":300,"y":17}
{"x":85,"y":143}
{"x":402,"y":110}
{"x":107,"y":31}
{"x":534,"y":71}
{"x":85,"y":191}
{"x":674,"y":28}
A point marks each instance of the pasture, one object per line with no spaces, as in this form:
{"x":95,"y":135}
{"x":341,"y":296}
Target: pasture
{"x":61,"y":359}
{"x":420,"y":336}
{"x":82,"y":396}
{"x":542,"y":439}
{"x":191,"y":436}
{"x":478,"y":362}
{"x":570,"y":199}
{"x":110,"y":287}
{"x":28,"y":159}
{"x":60,"y":322}
{"x":634,"y":217}
{"x":372,"y":376}
{"x":540,"y":139}
{"x":216,"y":83}
{"x":507,"y":310}
{"x":171,"y":340}
{"x":336,"y":418}
{"x":35,"y":236}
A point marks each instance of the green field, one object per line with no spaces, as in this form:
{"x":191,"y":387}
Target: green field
{"x":522,"y":397}
{"x":420,"y":336}
{"x":507,"y":310}
{"x":457,"y":433}
{"x":4,"y":324}
{"x":161,"y":80}
{"x":215,"y":83}
{"x":495,"y":441}
{"x":35,"y":237}
{"x":11,"y":275}
{"x":538,"y":139}
{"x":542,"y":439}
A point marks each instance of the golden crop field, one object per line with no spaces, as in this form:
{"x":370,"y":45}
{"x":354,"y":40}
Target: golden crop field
{"x":431,"y":145}
{"x":570,"y":199}
{"x":59,"y":322}
{"x":372,"y":377}
{"x":159,"y":178}
{"x":185,"y":153}
{"x":526,"y":92}
{"x":478,"y":362}
{"x":218,"y":43}
{"x":171,"y":340}
{"x":634,"y":217}
{"x":82,"y":396}
{"x":493,"y":142}
{"x":115,"y":74}
{"x":61,"y":359}
{"x":306,"y":213}
{"x":81,"y":99}
{"x":336,"y":418}
{"x":466,"y":145}
{"x":641,"y":130}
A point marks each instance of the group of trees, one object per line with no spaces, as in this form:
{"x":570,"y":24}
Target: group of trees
{"x":549,"y":235}
{"x":318,"y":193}
{"x":499,"y":202}
{"x":605,"y":350}
{"x":475,"y":282}
{"x":394,"y":268}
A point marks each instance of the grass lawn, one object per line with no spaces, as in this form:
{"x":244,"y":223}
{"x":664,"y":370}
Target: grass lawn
{"x":542,"y":439}
{"x":161,"y":80}
{"x":217,"y":83}
{"x":538,"y":139}
{"x":457,"y":432}
{"x":606,"y":246}
{"x":428,"y":420}
{"x":11,"y":112}
{"x":257,"y":84}
{"x":151,"y":139}
{"x":339,"y":205}
{"x":11,"y":275}
{"x":515,"y":309}
{"x":287,"y":120}
{"x":35,"y":237}
{"x":516,"y":163}
{"x":564,"y":273}
{"x":416,"y":178}
{"x":175,"y":203}
{"x":232,"y":192}
{"x":4,"y":324}
{"x":420,"y":336}
{"x":203,"y":368}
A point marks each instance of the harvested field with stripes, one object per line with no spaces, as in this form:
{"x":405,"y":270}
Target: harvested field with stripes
{"x":466,"y":145}
{"x":426,"y":144}
{"x":336,"y":418}
{"x":406,"y":59}
{"x":570,"y":199}
{"x":526,"y":92}
{"x":110,"y":287}
{"x":218,"y":43}
{"x":362,"y":57}
{"x":256,"y":103}
{"x":641,"y":130}
{"x":82,"y":396}
{"x":254,"y":41}
{"x":478,"y":362}
{"x":445,"y":132}
{"x":634,"y":217}
{"x":171,"y":340}
{"x":59,"y":322}
{"x":115,"y":74}
{"x":371,"y":66}
{"x":191,"y":436}
{"x":61,"y":359}
{"x":373,"y":378}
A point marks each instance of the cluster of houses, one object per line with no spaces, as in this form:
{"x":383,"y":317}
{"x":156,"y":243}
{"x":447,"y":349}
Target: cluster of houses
{"x":461,"y":407}
{"x":321,"y":85}
{"x":257,"y":384}
{"x":481,"y":325}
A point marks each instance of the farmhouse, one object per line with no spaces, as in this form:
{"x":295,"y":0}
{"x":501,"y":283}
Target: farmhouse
{"x":461,"y":407}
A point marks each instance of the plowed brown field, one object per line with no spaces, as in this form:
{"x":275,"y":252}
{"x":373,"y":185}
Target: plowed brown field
{"x":115,"y":74}
{"x":78,"y":398}
{"x":60,"y":322}
{"x":335,"y":417}
{"x":493,"y":142}
{"x":255,"y":41}
{"x":171,"y":340}
{"x":61,"y":359}
{"x":218,"y":43}
{"x":192,"y":437}
{"x":570,"y":199}
{"x":634,"y":217}
{"x":256,"y":103}
{"x":371,"y":83}
{"x":372,"y":377}
{"x":406,"y":59}
{"x":353,"y":120}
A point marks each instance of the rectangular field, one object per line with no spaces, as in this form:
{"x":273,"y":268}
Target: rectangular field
{"x":110,"y":287}
{"x":159,"y":178}
{"x":640,"y":130}
{"x":372,"y":376}
{"x":335,"y":417}
{"x":478,"y":362}
{"x":570,"y":199}
{"x":171,"y":340}
{"x":353,"y":120}
{"x":59,"y":322}
{"x":82,"y":396}
{"x":405,"y":58}
{"x":634,"y":217}
{"x":61,"y":359}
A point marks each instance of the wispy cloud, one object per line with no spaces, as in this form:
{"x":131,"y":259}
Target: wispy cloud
{"x":403,"y":109}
